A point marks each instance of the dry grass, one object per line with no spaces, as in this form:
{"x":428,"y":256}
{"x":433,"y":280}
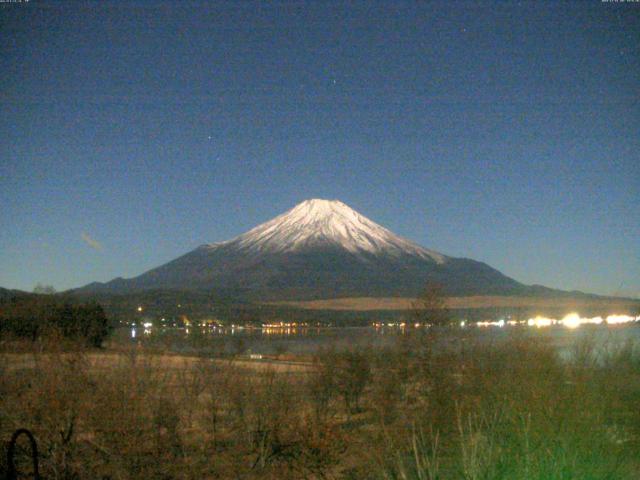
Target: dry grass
{"x":432,"y":406}
{"x":370,"y":303}
{"x":97,"y":361}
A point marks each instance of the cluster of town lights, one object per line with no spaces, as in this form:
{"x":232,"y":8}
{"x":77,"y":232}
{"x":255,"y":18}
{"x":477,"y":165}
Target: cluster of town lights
{"x":572,"y":320}
{"x":284,"y":325}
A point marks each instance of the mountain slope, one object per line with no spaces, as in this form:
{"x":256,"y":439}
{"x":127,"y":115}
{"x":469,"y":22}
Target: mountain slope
{"x":6,"y":294}
{"x":318,"y":249}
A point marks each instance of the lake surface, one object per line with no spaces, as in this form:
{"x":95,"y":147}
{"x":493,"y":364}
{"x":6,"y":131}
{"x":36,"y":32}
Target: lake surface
{"x":306,"y":341}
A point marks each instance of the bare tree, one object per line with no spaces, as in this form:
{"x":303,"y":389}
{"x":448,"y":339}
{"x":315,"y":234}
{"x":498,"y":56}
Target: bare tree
{"x":353,"y":374}
{"x":430,"y":308}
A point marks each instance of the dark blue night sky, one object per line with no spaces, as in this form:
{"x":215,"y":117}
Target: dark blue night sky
{"x":507,"y":132}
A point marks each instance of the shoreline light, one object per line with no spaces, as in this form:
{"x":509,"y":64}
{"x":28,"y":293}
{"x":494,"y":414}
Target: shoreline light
{"x":574,"y":320}
{"x":541,"y":322}
{"x":616,"y":319}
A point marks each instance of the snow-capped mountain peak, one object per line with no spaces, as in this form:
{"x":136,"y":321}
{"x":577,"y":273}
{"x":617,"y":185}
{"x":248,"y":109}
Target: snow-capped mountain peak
{"x":318,"y":249}
{"x":318,"y":222}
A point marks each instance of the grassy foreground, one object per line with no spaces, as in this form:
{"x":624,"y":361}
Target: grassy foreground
{"x":432,"y":406}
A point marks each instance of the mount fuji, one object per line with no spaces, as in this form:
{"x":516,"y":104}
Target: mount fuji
{"x":318,"y":249}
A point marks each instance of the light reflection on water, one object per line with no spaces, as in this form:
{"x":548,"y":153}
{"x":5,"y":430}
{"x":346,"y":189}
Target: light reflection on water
{"x":309,"y":340}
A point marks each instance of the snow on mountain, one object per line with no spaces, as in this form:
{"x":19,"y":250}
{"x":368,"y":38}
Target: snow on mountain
{"x":319,"y":222}
{"x":318,"y":249}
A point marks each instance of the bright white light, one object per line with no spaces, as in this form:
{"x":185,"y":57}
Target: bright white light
{"x":499,"y":323}
{"x":133,"y":333}
{"x":540,"y":322}
{"x":147,"y":324}
{"x":572,"y":320}
{"x":616,"y":319}
{"x":594,"y":320}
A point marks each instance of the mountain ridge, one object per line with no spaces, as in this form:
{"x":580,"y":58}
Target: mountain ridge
{"x":318,"y":249}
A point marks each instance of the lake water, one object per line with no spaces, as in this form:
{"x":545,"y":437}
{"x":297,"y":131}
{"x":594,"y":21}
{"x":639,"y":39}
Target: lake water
{"x":301,"y":341}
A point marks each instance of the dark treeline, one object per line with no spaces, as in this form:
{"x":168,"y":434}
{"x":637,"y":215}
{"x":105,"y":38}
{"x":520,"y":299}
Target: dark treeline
{"x":34,"y":316}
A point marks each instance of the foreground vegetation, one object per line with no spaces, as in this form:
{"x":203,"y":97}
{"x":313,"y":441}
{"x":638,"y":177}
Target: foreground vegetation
{"x":434,"y":405}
